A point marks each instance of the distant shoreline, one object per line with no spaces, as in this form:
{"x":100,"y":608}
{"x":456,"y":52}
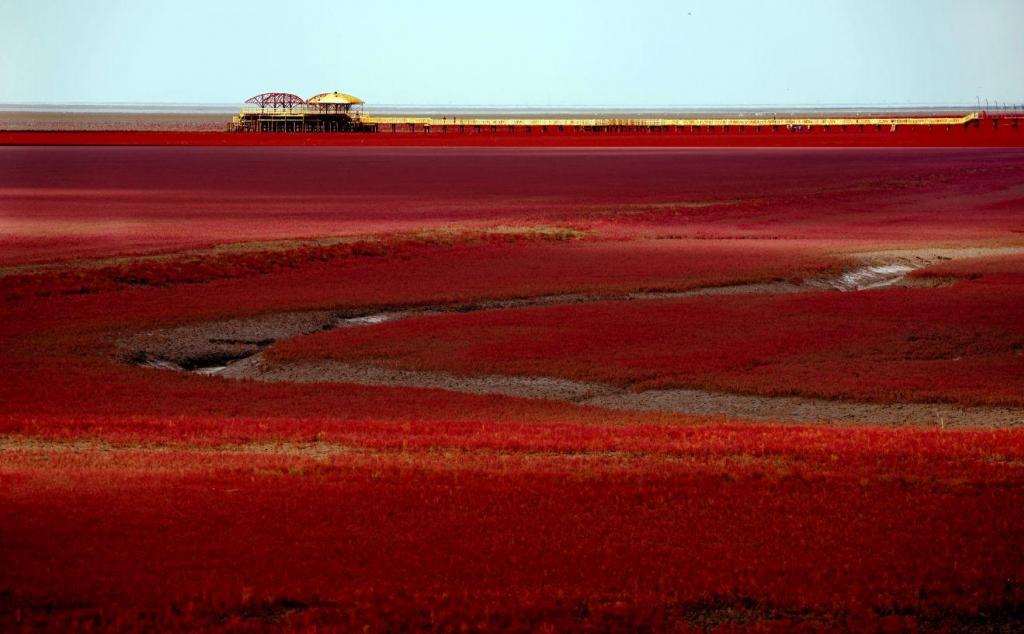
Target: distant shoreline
{"x":49,"y":121}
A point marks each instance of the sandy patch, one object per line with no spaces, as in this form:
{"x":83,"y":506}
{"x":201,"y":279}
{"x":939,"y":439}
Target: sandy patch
{"x":925,"y":256}
{"x":691,"y":402}
{"x":800,"y":409}
{"x":203,"y":346}
{"x":537,"y":387}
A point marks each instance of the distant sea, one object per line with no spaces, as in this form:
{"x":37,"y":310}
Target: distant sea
{"x":443,"y":109}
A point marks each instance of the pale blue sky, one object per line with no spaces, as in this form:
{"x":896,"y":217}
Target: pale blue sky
{"x":636,"y":53}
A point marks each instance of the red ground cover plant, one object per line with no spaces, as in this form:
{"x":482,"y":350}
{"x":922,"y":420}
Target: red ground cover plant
{"x":607,"y":528}
{"x":196,"y":268}
{"x":467,"y":265}
{"x":984,"y":135}
{"x":138,"y":499}
{"x":424,"y":272}
{"x":963,"y":344}
{"x":61,"y":203}
{"x":59,"y":355}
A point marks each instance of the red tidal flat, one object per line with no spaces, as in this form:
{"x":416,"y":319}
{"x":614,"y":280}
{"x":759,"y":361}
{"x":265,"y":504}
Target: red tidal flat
{"x":857,"y":529}
{"x":142,"y":499}
{"x":962,"y":344}
{"x":65,"y":202}
{"x":58,"y":356}
{"x":1007,"y":134}
{"x":403,"y":270}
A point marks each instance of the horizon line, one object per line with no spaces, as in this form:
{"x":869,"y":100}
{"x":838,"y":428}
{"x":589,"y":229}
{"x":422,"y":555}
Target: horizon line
{"x":973,"y":103}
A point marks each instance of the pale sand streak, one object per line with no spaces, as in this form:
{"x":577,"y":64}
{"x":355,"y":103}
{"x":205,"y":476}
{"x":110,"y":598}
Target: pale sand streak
{"x":693,"y":402}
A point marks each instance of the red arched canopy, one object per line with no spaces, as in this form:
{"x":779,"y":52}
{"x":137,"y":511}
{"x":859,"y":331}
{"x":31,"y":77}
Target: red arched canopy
{"x":276,"y":100}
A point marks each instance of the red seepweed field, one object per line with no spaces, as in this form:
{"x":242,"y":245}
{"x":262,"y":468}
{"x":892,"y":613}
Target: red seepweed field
{"x":998,"y":130}
{"x":528,"y":389}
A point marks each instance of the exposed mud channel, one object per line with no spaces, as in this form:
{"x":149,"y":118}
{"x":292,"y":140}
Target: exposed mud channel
{"x":233,"y":350}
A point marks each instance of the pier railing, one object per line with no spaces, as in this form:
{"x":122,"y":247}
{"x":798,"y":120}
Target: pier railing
{"x":654,"y":123}
{"x":301,"y":112}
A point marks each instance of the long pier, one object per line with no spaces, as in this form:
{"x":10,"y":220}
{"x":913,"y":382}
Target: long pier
{"x":306,"y":118}
{"x":606,"y":123}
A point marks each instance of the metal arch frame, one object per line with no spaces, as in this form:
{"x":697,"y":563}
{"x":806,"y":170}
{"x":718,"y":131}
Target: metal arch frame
{"x":276,"y":100}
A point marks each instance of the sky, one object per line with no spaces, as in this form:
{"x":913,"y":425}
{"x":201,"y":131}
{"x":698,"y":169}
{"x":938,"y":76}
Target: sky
{"x":533,"y":53}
